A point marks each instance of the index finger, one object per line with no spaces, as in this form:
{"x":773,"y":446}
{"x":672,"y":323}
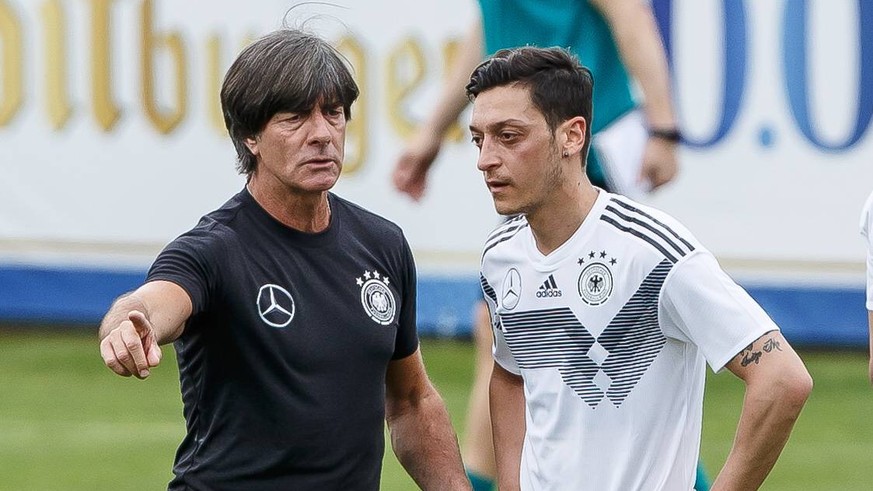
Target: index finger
{"x":140,"y":322}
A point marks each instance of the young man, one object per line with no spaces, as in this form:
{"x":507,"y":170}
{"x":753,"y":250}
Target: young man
{"x":634,"y":140}
{"x":867,"y":233}
{"x":292,"y":310}
{"x":606,"y":311}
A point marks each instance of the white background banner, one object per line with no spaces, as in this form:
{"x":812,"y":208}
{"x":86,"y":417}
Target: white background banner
{"x":112,"y":143}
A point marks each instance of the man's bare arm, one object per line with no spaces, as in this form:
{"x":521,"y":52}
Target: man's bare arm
{"x":421,"y":432}
{"x":507,"y":425}
{"x":635,"y":31}
{"x":413,"y":165}
{"x":777,"y":386}
{"x":870,"y":364}
{"x":138,"y":323}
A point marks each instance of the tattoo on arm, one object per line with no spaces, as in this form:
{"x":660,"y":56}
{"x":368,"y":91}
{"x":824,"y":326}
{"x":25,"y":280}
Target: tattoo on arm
{"x":749,"y":356}
{"x":771,"y":344}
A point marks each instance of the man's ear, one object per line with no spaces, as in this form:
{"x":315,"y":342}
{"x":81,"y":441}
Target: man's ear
{"x":574,"y":130}
{"x":252,"y":144}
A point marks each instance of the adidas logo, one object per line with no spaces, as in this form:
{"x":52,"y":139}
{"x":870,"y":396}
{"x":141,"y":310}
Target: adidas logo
{"x":549,"y":288}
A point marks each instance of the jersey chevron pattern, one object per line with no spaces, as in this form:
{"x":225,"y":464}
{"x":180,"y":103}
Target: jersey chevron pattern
{"x":611,"y":348}
{"x":632,"y":339}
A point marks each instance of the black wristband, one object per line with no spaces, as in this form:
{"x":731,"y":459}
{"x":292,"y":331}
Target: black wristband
{"x":670,"y":135}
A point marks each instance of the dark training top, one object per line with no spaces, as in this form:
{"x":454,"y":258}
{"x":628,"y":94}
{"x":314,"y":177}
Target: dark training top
{"x":283,"y":361}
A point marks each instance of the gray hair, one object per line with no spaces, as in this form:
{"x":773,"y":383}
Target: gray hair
{"x":288,"y":70}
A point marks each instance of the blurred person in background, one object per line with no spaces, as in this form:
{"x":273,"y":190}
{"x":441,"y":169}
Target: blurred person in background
{"x":633,"y":150}
{"x":292,"y":310}
{"x":867,"y":233}
{"x":605,"y":311}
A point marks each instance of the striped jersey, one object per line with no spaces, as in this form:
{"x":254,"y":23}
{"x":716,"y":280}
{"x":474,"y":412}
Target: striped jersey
{"x":867,"y":233}
{"x":611,"y":333}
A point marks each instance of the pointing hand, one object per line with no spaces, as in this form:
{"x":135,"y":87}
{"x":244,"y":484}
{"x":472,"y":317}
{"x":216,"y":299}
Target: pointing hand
{"x":131,"y":348}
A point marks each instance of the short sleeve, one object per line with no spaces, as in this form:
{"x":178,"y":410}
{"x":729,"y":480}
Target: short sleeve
{"x":187,"y":262}
{"x":500,"y":350}
{"x":406,"y":341}
{"x":867,"y":233}
{"x":702,"y":305}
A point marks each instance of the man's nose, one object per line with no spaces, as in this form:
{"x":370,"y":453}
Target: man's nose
{"x":488,"y":157}
{"x":319,"y":132}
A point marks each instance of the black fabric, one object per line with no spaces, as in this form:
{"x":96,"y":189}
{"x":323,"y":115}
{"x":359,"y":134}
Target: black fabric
{"x":296,"y":406}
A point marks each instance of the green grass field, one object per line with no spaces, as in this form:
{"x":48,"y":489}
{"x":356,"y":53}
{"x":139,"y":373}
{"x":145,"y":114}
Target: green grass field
{"x":67,"y":423}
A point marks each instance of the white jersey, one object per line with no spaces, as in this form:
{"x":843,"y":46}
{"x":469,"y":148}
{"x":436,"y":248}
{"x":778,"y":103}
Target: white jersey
{"x":610,"y":333}
{"x":867,"y":233}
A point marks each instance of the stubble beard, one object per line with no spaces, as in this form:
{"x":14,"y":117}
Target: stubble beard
{"x":552,"y":180}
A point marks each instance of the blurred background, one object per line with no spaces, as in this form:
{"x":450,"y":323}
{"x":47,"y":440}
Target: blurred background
{"x":112,"y":143}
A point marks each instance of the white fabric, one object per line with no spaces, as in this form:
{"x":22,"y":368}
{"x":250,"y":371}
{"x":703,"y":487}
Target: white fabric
{"x":867,"y":233}
{"x":620,"y":147}
{"x":613,"y":384}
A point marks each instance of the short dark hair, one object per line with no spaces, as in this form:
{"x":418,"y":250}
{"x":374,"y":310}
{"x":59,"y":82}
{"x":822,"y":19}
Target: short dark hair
{"x":560,"y":87}
{"x":286,"y":70}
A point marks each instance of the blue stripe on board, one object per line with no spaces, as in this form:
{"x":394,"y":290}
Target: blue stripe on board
{"x":813,"y":315}
{"x":64,"y":295}
{"x":816,"y":316}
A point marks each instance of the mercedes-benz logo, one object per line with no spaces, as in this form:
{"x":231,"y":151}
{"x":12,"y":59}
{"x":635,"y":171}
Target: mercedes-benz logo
{"x":275,"y":305}
{"x":511,"y":289}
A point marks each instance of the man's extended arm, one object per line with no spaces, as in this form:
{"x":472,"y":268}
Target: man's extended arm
{"x":870,"y":363}
{"x":410,"y":172}
{"x":633,"y":27}
{"x":138,"y":323}
{"x":777,"y":386}
{"x":507,"y":424}
{"x":421,"y":432}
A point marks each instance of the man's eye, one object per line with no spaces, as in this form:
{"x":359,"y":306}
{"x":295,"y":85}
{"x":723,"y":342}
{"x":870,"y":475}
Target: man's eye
{"x":477,"y":140}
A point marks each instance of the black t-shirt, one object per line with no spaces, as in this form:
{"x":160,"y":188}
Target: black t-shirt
{"x":283,"y":361}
